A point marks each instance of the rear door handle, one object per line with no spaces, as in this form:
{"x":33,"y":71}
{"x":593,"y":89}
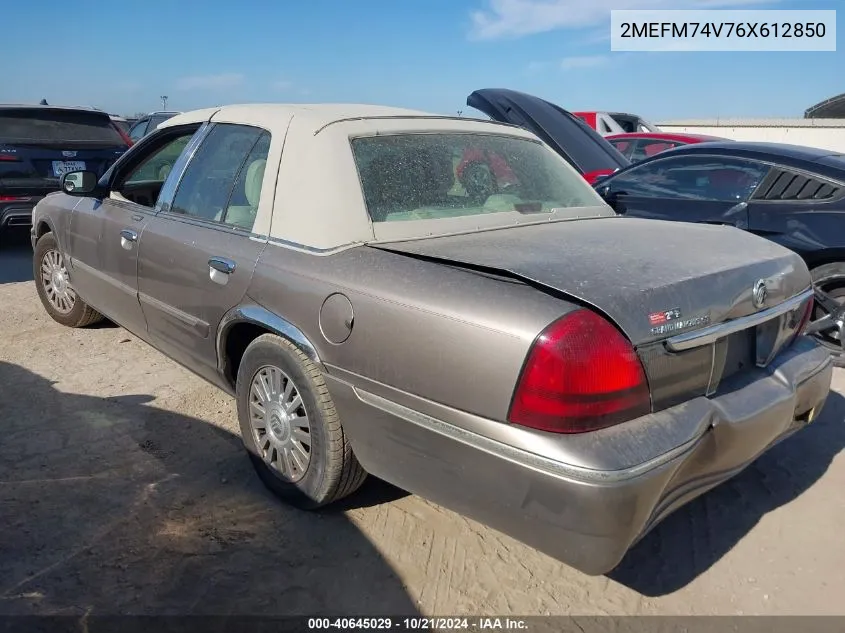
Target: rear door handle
{"x":127,"y":238}
{"x":219,"y":269}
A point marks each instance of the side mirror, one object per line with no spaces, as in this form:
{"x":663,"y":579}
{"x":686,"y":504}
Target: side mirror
{"x":79,"y":183}
{"x":610,"y":197}
{"x":604,"y":191}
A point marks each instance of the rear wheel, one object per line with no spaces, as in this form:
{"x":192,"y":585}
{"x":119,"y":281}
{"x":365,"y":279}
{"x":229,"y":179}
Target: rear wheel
{"x":54,"y":287}
{"x":291,"y":428}
{"x":828,"y":319}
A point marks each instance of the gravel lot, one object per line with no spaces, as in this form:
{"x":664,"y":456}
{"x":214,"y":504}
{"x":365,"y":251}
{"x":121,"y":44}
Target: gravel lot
{"x":124,"y":489}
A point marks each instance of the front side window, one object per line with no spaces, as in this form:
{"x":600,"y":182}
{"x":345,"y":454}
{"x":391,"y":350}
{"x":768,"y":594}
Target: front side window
{"x":222,"y":183}
{"x":692,"y":178}
{"x":444,"y":175}
{"x":142,"y":179}
{"x":158,"y":165}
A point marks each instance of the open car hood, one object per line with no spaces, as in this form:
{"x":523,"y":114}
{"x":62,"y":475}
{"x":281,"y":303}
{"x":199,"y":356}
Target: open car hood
{"x":569,"y":136}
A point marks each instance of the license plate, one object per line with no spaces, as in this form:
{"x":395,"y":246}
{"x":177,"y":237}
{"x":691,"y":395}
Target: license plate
{"x":61,"y":167}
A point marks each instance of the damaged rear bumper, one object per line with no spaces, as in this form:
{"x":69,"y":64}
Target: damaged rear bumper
{"x":586,"y":499}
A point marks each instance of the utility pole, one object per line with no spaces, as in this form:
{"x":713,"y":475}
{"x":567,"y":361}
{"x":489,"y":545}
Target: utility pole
{"x":164,"y":102}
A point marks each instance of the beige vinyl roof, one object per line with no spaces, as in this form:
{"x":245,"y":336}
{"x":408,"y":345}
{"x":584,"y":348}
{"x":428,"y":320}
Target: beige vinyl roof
{"x":311,"y":194}
{"x":316,"y":114}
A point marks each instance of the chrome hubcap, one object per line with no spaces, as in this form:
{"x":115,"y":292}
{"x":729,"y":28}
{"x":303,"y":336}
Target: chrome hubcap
{"x":279,"y":422}
{"x":56,"y":282}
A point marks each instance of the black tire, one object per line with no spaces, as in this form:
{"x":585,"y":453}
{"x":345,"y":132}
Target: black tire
{"x":830,"y":278}
{"x":333,"y":472}
{"x":80,"y":314}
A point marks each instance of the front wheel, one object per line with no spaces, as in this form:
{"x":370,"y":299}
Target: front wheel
{"x":828,"y":319}
{"x":54,"y":287}
{"x":291,"y":428}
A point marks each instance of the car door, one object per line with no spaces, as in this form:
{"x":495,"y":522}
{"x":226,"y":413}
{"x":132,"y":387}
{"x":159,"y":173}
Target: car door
{"x":198,"y":254}
{"x":104,"y":234}
{"x":709,"y":189}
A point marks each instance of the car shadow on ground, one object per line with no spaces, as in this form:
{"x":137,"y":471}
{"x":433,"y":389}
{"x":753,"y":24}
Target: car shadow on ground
{"x":15,"y":256}
{"x":114,"y":506}
{"x":691,"y":540}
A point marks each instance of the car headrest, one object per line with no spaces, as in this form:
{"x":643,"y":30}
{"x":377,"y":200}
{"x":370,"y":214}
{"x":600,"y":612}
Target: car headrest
{"x":254,"y":179}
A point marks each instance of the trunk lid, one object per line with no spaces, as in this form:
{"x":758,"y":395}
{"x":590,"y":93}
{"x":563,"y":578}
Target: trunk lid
{"x":654,"y":279}
{"x":579,"y":144}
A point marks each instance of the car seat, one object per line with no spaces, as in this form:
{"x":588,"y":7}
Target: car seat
{"x":243,"y":216}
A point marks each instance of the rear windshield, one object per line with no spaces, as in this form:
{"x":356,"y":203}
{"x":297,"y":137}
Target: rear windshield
{"x":430,"y":176}
{"x":31,"y":125}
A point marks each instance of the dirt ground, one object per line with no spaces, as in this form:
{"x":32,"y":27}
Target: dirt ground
{"x":124,"y":489}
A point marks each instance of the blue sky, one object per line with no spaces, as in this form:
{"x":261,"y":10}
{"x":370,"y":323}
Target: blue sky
{"x":428,"y":54}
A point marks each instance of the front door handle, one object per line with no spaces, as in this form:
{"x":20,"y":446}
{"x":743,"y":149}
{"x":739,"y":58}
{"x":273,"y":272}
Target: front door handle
{"x":219,"y":269}
{"x":127,"y":238}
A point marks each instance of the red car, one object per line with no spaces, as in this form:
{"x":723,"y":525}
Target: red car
{"x":639,"y":145}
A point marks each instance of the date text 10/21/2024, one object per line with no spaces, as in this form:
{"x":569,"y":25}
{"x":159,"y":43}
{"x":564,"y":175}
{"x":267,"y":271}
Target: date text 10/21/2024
{"x":419,"y":624}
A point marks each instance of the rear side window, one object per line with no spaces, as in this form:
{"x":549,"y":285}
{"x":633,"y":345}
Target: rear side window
{"x":624,"y":147}
{"x":51,"y":126}
{"x":158,"y":119}
{"x":139,"y":130}
{"x":223,"y":181}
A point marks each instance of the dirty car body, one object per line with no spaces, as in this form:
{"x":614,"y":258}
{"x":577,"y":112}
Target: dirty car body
{"x":521,"y":355}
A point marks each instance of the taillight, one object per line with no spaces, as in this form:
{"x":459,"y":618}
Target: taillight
{"x":8,"y":157}
{"x":581,"y":375}
{"x":14,"y":198}
{"x":123,"y":135}
{"x":805,"y":318}
{"x":806,"y":315}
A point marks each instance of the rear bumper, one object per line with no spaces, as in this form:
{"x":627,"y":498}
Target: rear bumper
{"x":17,"y":213}
{"x":589,"y":517}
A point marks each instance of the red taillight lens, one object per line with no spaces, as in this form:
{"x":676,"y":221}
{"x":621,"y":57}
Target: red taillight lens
{"x":123,"y":135}
{"x":581,"y":375}
{"x":14,"y":198}
{"x":8,"y":157}
{"x":805,"y":319}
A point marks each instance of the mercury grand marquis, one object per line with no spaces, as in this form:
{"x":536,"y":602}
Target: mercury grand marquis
{"x":512,"y":350}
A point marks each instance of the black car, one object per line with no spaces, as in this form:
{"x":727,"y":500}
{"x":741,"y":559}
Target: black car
{"x":38,"y":144}
{"x":578,"y":143}
{"x":792,"y":195}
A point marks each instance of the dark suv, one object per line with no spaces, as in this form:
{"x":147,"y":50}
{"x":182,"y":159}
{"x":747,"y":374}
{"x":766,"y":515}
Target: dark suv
{"x":148,"y":123}
{"x":38,"y":144}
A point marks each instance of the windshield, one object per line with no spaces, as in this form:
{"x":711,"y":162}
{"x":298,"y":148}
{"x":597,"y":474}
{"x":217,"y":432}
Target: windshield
{"x":51,"y":126}
{"x":445,"y":175}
